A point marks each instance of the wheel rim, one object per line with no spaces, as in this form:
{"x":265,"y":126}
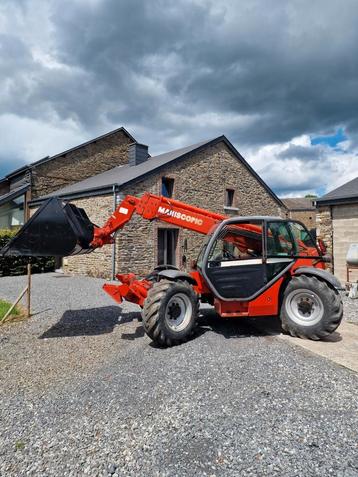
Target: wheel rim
{"x":304,"y":307}
{"x":178,"y":312}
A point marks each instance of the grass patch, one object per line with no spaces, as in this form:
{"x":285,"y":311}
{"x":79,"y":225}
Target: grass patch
{"x":4,"y":308}
{"x":19,"y":445}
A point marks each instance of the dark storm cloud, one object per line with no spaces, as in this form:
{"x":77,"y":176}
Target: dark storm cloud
{"x":174,"y":72}
{"x":291,"y":69}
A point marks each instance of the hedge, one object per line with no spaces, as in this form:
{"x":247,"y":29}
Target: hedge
{"x":17,"y":265}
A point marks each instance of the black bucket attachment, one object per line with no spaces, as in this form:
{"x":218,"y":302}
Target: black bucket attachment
{"x":57,"y":229}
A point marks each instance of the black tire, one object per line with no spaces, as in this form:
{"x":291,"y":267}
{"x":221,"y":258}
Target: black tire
{"x":310,"y":308}
{"x":159,"y":320}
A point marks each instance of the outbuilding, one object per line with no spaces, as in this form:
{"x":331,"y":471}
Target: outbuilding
{"x":302,"y":209}
{"x":337,"y":225}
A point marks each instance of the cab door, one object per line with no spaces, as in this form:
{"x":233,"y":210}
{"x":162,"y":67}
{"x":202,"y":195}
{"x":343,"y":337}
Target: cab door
{"x":234,"y":263}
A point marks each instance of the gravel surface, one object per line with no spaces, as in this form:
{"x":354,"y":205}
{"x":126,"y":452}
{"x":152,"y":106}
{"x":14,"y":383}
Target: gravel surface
{"x":83,"y":392}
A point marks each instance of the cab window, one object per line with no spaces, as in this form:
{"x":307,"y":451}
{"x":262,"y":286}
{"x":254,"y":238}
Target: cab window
{"x":304,"y":243}
{"x":238,"y":242}
{"x":280,"y":242}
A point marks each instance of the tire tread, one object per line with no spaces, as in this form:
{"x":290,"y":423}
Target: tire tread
{"x":333,"y":313}
{"x":152,"y":319}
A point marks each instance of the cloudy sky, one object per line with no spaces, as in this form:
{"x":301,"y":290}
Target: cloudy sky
{"x":279,"y":79}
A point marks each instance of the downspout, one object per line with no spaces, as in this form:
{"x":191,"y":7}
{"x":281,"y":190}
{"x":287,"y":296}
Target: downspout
{"x":114,"y":244}
{"x":332,"y":237}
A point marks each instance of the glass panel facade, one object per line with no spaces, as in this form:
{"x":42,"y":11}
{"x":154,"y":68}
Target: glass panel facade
{"x":12,"y":214}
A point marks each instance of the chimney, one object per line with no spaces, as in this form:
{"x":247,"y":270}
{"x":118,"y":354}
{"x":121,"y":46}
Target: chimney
{"x":137,"y":153}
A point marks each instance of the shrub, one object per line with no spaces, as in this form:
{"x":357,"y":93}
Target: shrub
{"x":17,"y":265}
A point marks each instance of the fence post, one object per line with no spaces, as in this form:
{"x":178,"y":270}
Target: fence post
{"x":28,"y":293}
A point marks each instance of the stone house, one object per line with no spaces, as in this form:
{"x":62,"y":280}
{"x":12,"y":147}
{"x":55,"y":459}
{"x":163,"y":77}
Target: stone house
{"x":302,"y":209}
{"x":211,"y":175}
{"x":55,"y":172}
{"x":337,"y":225}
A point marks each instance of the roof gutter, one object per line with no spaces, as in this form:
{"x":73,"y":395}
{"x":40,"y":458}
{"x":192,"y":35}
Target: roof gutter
{"x":338,"y":201}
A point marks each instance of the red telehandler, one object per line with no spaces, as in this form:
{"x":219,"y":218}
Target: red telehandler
{"x":247,"y":266}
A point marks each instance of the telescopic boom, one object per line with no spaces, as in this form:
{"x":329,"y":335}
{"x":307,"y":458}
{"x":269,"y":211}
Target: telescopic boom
{"x":152,"y":207}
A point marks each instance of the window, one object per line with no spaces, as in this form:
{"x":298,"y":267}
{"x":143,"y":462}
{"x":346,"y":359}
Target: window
{"x":12,"y":213}
{"x":238,"y":242}
{"x":304,"y":242}
{"x":280,"y":242}
{"x":229,"y":197}
{"x":167,"y":187}
{"x":288,"y":239}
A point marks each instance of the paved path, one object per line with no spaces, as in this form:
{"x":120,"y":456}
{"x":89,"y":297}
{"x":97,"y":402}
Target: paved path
{"x":83,"y":392}
{"x":340,"y":347}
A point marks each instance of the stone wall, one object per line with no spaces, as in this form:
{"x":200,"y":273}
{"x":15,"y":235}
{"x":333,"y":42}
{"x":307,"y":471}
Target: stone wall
{"x":324,"y":228}
{"x":307,"y":217}
{"x":201,"y":180}
{"x":99,"y":262}
{"x":79,"y":164}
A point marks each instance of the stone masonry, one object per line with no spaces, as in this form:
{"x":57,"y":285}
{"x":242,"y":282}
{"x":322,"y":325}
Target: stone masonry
{"x":307,"y":217}
{"x":324,"y":226}
{"x":201,"y":179}
{"x":80,"y":163}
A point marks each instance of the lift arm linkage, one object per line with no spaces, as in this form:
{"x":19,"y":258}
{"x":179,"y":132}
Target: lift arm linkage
{"x":151,"y":207}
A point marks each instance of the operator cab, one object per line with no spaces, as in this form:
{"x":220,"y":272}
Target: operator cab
{"x":245,"y":255}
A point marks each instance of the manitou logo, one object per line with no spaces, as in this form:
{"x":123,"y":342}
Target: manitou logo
{"x":179,"y":215}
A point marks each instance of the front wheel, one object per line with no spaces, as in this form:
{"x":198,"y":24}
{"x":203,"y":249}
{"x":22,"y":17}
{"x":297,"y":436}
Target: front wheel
{"x":310,"y":308}
{"x":170,"y":312}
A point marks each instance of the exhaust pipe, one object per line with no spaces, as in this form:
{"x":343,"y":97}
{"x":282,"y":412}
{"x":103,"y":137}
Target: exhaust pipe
{"x":57,"y":229}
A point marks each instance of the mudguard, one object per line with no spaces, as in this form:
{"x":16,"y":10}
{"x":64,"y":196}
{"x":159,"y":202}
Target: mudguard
{"x":323,"y":274}
{"x":177,"y":275}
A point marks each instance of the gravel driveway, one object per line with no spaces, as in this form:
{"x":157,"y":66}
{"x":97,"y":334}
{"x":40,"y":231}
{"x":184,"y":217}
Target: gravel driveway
{"x":83,"y":392}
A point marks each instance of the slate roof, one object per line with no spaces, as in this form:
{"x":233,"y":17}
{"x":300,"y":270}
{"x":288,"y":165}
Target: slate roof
{"x":299,"y":203}
{"x":346,"y":193}
{"x":123,"y":175}
{"x":13,"y":194}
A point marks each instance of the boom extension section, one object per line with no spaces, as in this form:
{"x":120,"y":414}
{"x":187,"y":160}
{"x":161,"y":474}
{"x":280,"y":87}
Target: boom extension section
{"x":152,"y":207}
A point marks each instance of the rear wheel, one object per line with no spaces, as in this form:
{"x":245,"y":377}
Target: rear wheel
{"x":310,"y":308}
{"x":170,"y":312}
